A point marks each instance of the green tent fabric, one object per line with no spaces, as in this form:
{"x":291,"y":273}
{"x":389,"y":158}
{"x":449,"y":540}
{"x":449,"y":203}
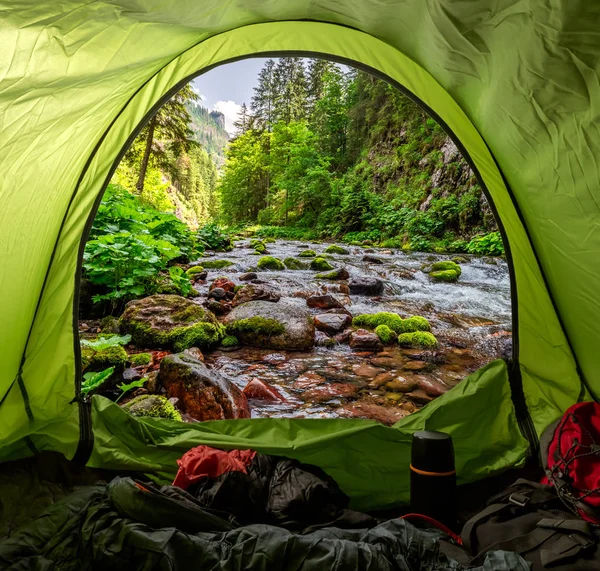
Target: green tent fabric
{"x":515,"y":83}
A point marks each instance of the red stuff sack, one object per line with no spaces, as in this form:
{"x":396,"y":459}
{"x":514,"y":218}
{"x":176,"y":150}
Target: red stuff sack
{"x":570,"y":450}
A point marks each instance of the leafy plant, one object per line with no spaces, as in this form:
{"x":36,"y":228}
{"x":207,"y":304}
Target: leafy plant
{"x":105,"y":342}
{"x":93,"y":381}
{"x":181,"y":280}
{"x":213,"y":238}
{"x":487,"y":245}
{"x":124,"y":388}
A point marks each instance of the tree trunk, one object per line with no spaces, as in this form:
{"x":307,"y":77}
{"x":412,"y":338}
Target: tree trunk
{"x":147,"y":151}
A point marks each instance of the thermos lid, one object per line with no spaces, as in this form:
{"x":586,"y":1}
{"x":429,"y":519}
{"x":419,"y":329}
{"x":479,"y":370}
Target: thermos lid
{"x":432,"y":451}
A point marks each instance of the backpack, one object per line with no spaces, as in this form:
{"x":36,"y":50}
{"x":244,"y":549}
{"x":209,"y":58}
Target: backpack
{"x":530,"y":519}
{"x":570,"y":454}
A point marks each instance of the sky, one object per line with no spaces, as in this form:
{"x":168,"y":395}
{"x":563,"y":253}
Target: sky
{"x":226,"y":87}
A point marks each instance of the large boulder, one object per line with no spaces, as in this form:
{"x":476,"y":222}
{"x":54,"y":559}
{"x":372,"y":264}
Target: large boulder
{"x":253,"y":293}
{"x":203,"y":393}
{"x":332,"y":323}
{"x":366,"y":286}
{"x":272,"y":325}
{"x":170,"y":321}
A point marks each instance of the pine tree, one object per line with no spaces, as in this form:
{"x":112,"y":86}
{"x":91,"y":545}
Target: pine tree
{"x":317,"y":68}
{"x":290,"y":90}
{"x":262,"y":104}
{"x":244,"y":120}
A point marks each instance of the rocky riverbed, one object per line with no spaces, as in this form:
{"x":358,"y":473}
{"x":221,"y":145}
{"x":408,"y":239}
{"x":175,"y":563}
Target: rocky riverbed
{"x":277,"y":326}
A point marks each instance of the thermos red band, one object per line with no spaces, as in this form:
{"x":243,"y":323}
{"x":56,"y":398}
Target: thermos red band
{"x":424,"y":473}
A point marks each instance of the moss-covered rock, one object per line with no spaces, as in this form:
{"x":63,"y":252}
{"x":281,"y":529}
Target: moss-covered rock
{"x":170,"y":321}
{"x":140,"y":359}
{"x":259,"y":246}
{"x":270,"y":263}
{"x":109,"y":324}
{"x":385,"y":334}
{"x":339,"y":274}
{"x":335,"y":249}
{"x":418,"y":339}
{"x":271,"y":325}
{"x":152,"y":405}
{"x":393,"y":321}
{"x":216,"y":264}
{"x":460,"y":260}
{"x":100,"y":359}
{"x":446,"y":265}
{"x":320,"y":265}
{"x":307,"y":254}
{"x":444,"y":276}
{"x":230,"y":341}
{"x":293,"y":264}
{"x":194,"y":270}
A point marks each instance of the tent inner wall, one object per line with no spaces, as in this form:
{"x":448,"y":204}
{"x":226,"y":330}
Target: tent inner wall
{"x":549,"y":375}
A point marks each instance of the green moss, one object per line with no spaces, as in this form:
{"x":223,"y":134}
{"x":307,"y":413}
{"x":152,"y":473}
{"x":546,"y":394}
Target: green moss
{"x":385,"y":334}
{"x":393,"y":321}
{"x":140,"y":359}
{"x":259,"y":246}
{"x":415,"y":323}
{"x":320,"y":265}
{"x":160,"y":407}
{"x":444,"y":276}
{"x":307,"y":254}
{"x":270,"y":263}
{"x":335,"y":249}
{"x":94,"y":359}
{"x":109,"y":324}
{"x":230,"y":341}
{"x":237,"y":288}
{"x":293,"y":264}
{"x":446,"y":265}
{"x":258,"y":325}
{"x":188,"y":314}
{"x":333,"y":275}
{"x":216,"y":264}
{"x":460,"y":260}
{"x":421,"y":339}
{"x":194,"y":270}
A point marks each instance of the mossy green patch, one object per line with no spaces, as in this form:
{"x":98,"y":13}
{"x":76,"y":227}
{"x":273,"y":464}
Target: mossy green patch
{"x":270,"y":263}
{"x":320,"y":265}
{"x":153,"y":406}
{"x":444,"y":276}
{"x":393,"y":321}
{"x":216,"y":264}
{"x":258,"y":325}
{"x":418,"y":339}
{"x":307,"y":254}
{"x":385,"y":334}
{"x":293,"y":264}
{"x":230,"y":341}
{"x":194,"y":270}
{"x":140,"y":359}
{"x":99,"y":359}
{"x":335,"y":249}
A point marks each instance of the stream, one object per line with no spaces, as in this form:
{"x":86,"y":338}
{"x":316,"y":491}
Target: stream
{"x":471,"y":320}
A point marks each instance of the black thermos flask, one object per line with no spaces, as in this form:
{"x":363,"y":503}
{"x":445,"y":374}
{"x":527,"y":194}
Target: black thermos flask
{"x":433,"y":477}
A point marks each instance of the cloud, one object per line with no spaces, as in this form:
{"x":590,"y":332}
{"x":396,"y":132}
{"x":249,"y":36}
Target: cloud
{"x":197,"y":92}
{"x":231,"y":110}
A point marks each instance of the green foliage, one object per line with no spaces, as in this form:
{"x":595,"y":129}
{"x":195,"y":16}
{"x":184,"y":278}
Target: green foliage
{"x":230,"y":341}
{"x":487,"y":245}
{"x":212,"y":237}
{"x":124,"y":388}
{"x":385,"y":334}
{"x":444,"y":276}
{"x":130,"y":244}
{"x":270,"y":263}
{"x":104,"y":342}
{"x":181,"y":280}
{"x":216,"y":264}
{"x":320,"y":265}
{"x":140,"y":359}
{"x":258,"y":325}
{"x":93,"y":381}
{"x":418,"y":339}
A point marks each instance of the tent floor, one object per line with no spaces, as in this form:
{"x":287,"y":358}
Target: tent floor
{"x":29,"y":486}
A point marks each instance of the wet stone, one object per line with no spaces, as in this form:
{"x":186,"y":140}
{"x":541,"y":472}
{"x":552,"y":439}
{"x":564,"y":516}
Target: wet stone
{"x":217,"y":293}
{"x":419,"y":396}
{"x":248,"y":276}
{"x":131,"y":375}
{"x":366,"y":370}
{"x":372,"y":259}
{"x":402,"y":385}
{"x":366,"y":286}
{"x":323,"y":340}
{"x":259,"y":390}
{"x":330,"y":391}
{"x":432,"y":387}
{"x":381,"y":379}
{"x":253,"y":293}
{"x":332,"y":323}
{"x":222,"y":283}
{"x":323,"y":302}
{"x":416,"y":366}
{"x":274,"y":358}
{"x":362,"y":339}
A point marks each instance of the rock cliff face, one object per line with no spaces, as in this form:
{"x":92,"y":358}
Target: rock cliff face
{"x":209,"y":131}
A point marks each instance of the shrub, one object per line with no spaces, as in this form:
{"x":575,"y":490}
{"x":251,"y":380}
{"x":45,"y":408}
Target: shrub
{"x":487,"y":245}
{"x":214,"y":238}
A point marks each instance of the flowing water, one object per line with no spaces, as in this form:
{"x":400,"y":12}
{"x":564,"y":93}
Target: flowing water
{"x":470,"y":318}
